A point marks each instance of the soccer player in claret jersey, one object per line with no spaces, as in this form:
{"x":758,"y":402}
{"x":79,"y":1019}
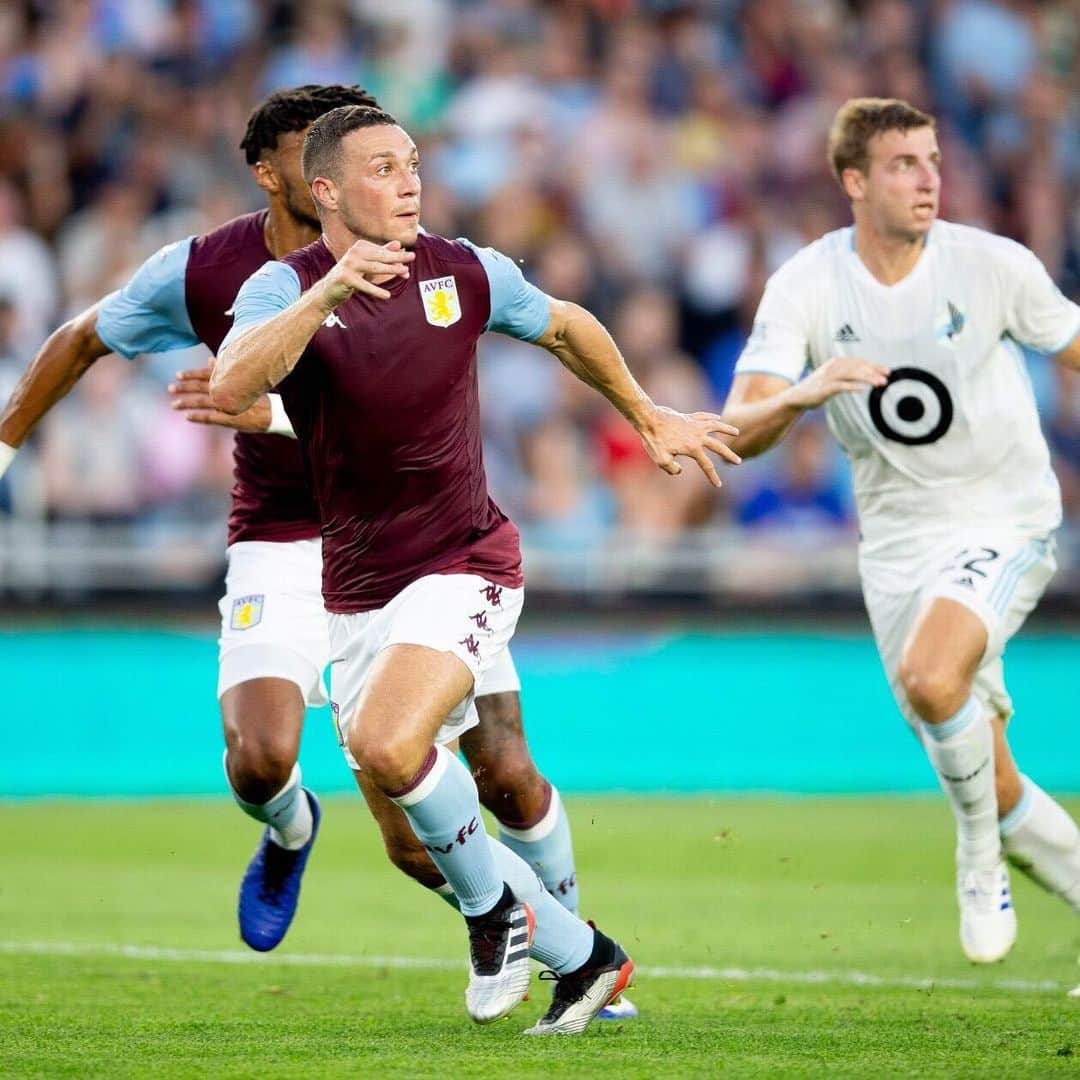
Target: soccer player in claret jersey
{"x":274,"y":637}
{"x":421,"y":571}
{"x":910,"y":329}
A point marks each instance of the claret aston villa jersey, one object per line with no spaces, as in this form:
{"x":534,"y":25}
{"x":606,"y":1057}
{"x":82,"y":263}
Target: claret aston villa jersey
{"x":181,"y":296}
{"x":384,"y":400}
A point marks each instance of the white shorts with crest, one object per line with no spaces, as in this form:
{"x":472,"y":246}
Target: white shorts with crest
{"x":461,"y":614}
{"x":273,"y":623}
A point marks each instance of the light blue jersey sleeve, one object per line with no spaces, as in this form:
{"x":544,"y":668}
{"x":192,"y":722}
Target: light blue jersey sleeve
{"x":518,"y":308}
{"x":149,"y":314}
{"x":268,"y":292}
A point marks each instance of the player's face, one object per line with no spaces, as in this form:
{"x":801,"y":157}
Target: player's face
{"x":902,"y":186}
{"x":294,"y":191}
{"x":379,"y":192}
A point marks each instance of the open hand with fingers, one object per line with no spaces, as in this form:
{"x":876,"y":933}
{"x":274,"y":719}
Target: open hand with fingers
{"x":668,"y":435}
{"x":360,"y":267}
{"x":838,"y":375}
{"x":190,"y":395}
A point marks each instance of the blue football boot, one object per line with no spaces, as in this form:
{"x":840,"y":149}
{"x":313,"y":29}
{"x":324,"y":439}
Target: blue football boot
{"x":622,"y":1008}
{"x":270,"y":890}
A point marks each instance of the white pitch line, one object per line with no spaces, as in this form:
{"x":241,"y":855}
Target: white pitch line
{"x":707,"y":974}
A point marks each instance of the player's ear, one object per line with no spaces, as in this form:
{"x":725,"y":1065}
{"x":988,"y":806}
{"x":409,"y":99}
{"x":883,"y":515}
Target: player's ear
{"x":325,"y":192}
{"x":265,"y":177}
{"x":854,"y":184}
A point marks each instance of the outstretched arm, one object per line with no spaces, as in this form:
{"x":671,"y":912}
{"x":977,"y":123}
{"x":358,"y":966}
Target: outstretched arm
{"x":148,"y":314}
{"x":66,"y":355}
{"x":585,"y":348}
{"x":763,"y":407}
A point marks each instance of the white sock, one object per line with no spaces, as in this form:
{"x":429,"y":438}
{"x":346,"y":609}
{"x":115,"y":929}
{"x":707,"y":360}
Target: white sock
{"x":1043,"y":841}
{"x":288,"y":813}
{"x":962,"y":753}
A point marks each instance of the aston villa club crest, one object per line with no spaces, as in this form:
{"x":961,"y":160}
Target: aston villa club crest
{"x":442,"y":307}
{"x":246,"y":612}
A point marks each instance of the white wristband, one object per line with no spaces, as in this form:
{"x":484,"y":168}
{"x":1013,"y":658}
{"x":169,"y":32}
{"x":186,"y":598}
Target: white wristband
{"x":280,"y":424}
{"x":7,"y":456}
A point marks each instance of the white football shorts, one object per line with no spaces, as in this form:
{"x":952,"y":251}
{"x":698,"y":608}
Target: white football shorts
{"x":1000,"y":576}
{"x":500,"y":678}
{"x":458,"y":613}
{"x":273,"y":623}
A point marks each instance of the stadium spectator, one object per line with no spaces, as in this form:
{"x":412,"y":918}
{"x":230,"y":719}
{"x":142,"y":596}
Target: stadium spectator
{"x":608,"y":146}
{"x":805,"y":496}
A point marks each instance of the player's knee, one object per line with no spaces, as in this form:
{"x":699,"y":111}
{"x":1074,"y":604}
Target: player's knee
{"x":413,"y":861}
{"x":260,"y":768}
{"x":391,"y":760}
{"x":935,"y":691}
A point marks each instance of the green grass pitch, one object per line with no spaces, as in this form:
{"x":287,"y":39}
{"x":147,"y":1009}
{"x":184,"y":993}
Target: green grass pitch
{"x":774,"y":937}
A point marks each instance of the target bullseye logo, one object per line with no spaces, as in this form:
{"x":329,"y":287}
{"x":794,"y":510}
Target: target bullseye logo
{"x":913,"y":407}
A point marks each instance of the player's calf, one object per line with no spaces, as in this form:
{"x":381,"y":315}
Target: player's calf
{"x":532,"y":820}
{"x":412,"y":859}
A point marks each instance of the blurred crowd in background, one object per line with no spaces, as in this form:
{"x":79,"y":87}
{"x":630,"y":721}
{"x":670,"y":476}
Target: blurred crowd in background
{"x":655,"y":161}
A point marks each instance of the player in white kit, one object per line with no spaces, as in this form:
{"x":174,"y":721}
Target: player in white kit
{"x":908,"y":329}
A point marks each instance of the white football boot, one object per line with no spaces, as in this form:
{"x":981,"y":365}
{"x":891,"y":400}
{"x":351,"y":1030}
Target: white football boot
{"x":987,"y":916}
{"x":499,"y":972}
{"x":580,"y":995}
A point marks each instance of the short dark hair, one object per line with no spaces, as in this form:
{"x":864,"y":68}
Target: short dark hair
{"x":859,"y":120}
{"x":293,"y":110}
{"x":322,"y":144}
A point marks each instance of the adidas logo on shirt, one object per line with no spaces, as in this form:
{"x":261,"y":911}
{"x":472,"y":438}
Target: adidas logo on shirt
{"x":846,"y":335}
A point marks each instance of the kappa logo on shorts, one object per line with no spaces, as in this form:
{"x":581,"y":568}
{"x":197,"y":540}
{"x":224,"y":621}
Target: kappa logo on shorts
{"x":442,"y":306}
{"x":472,"y":645}
{"x":247,"y":612}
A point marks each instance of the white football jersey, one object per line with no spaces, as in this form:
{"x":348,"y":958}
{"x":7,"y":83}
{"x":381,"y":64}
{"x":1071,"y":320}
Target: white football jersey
{"x":954,"y":438}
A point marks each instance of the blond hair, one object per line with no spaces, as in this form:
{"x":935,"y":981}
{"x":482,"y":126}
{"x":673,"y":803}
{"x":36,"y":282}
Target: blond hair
{"x":858,"y":120}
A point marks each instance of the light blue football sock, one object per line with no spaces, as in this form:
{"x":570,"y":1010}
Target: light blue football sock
{"x":562,"y":941}
{"x":443,"y":808}
{"x":548,"y":848}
